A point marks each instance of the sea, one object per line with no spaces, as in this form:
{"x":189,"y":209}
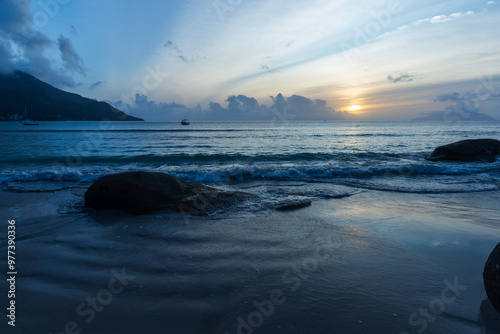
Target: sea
{"x":377,"y":155}
{"x":391,"y":243}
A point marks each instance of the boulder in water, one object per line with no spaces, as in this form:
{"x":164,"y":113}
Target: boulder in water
{"x":491,"y":277}
{"x":485,"y":150}
{"x":146,"y":192}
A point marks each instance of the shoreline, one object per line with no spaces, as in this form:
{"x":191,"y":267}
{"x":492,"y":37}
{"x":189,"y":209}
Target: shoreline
{"x":388,"y":255}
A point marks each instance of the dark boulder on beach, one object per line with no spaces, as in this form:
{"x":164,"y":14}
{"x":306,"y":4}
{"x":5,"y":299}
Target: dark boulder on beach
{"x":485,"y":150}
{"x":491,"y":277}
{"x":146,"y":192}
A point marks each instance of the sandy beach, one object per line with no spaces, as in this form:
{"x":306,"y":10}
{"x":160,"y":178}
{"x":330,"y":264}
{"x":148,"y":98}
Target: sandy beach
{"x":246,"y":167}
{"x":374,"y":262}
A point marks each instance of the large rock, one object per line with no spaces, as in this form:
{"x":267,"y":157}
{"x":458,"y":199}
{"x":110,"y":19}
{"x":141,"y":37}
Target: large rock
{"x":491,"y":277}
{"x":145,"y":192}
{"x":484,"y":150}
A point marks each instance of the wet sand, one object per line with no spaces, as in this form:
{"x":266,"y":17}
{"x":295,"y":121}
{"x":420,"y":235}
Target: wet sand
{"x":375,"y":262}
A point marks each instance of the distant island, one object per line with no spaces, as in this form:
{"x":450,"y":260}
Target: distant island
{"x":20,"y":90}
{"x":452,"y":116}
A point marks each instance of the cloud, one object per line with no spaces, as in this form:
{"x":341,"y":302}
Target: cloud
{"x":438,"y":19}
{"x":14,"y":15}
{"x":19,"y":43}
{"x":216,"y":107}
{"x":239,"y":107}
{"x":466,"y":106}
{"x":491,"y":2}
{"x":442,"y":18}
{"x":180,"y":54}
{"x":71,"y":59}
{"x":458,"y":112}
{"x":480,"y":96}
{"x":24,"y":48}
{"x":242,"y":104}
{"x":97,"y":84}
{"x":153,"y":111}
{"x":268,"y":69}
{"x":449,"y":97}
{"x":303,"y":108}
{"x":401,"y":77}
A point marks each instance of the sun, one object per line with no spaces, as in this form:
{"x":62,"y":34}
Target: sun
{"x":354,"y":108}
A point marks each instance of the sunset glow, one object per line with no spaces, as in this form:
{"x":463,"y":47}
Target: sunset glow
{"x":314,"y":57}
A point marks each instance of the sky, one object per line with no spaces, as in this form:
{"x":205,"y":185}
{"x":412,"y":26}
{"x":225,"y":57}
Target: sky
{"x":249,"y":59}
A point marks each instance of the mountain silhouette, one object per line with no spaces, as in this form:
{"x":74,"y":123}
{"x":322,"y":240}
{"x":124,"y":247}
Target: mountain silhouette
{"x":44,"y":102}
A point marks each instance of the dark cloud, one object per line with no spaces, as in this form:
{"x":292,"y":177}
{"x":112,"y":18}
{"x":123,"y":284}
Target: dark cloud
{"x":279,"y":103}
{"x":303,"y":108}
{"x":465,"y":107}
{"x":401,"y":77}
{"x":176,"y":51}
{"x":15,"y":26}
{"x":23,"y":48}
{"x":169,"y":44}
{"x":153,"y":111}
{"x":216,"y":108}
{"x":14,"y":15}
{"x":267,"y":68}
{"x":71,"y":59}
{"x":239,"y":107}
{"x":97,"y":84}
{"x":248,"y":102}
{"x":242,"y":104}
{"x":455,"y":97}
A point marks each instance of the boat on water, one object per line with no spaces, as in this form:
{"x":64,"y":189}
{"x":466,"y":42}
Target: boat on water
{"x":26,"y":120}
{"x":185,"y":121}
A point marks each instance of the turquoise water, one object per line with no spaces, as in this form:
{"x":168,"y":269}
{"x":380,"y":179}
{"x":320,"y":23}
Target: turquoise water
{"x":372,"y":155}
{"x":357,"y":260}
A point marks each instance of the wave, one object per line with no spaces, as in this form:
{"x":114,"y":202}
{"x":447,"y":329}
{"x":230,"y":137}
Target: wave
{"x":249,"y":172}
{"x":303,"y":172}
{"x":215,"y":158}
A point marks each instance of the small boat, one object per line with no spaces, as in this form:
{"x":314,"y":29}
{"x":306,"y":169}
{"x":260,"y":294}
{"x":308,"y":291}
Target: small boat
{"x":26,"y":120}
{"x":185,"y":121}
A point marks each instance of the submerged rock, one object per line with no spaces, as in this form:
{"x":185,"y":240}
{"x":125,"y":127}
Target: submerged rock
{"x":145,"y":192}
{"x":292,"y":204}
{"x":491,"y":277}
{"x":484,"y":150}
